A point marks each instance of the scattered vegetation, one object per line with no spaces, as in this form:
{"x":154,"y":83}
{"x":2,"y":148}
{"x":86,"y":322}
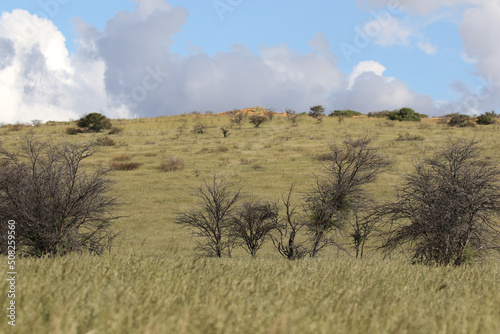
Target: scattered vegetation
{"x":409,"y":137}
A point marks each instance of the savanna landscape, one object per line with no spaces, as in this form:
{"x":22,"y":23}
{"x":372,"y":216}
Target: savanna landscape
{"x":153,"y":276}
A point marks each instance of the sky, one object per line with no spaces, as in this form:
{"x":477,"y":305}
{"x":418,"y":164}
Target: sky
{"x":62,"y":59}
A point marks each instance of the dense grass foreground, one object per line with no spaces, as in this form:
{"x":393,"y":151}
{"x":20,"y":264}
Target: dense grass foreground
{"x":162,"y":294}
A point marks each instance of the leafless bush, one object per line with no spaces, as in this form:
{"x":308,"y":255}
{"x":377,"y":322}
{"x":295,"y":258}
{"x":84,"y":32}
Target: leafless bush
{"x":212,"y":218}
{"x":115,"y":130}
{"x":237,"y":116}
{"x":130,"y":165}
{"x":58,"y":205}
{"x":171,"y":164}
{"x":252,"y":224}
{"x":448,"y":208}
{"x":329,"y":204}
{"x":291,"y":116}
{"x":199,"y":128}
{"x":286,"y":230}
{"x":269,"y":113}
{"x":409,"y":137}
{"x":123,"y":157}
{"x":105,"y":141}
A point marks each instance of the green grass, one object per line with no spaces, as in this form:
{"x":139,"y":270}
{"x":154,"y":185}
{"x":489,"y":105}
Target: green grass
{"x":153,"y":283}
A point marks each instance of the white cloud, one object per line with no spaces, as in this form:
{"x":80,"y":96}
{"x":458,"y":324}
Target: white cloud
{"x":479,"y":31}
{"x":369,"y":90}
{"x":421,"y":7}
{"x":427,"y":48}
{"x":365,"y":67}
{"x":39,"y":80}
{"x":388,"y":34}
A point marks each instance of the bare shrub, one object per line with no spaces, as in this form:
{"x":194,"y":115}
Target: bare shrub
{"x":225,"y":131}
{"x":123,"y":157}
{"x":222,"y":149}
{"x":329,"y":204}
{"x":74,"y":131}
{"x":447,"y":209}
{"x":116,"y":165}
{"x":58,"y":205}
{"x":212,"y":217}
{"x":237,"y":116}
{"x":291,"y":116}
{"x":171,"y":164}
{"x":115,"y":130}
{"x":286,"y":230}
{"x":199,"y":128}
{"x":409,"y":137}
{"x":257,"y":120}
{"x":252,"y":224}
{"x":105,"y":141}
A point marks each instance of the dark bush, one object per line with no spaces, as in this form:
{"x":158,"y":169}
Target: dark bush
{"x":257,"y":120}
{"x":345,"y":113}
{"x":94,"y":122}
{"x":406,"y":114}
{"x":59,"y":206}
{"x":117,"y":165}
{"x":447,"y":209}
{"x":487,"y":118}
{"x":199,"y":128}
{"x":459,"y":120}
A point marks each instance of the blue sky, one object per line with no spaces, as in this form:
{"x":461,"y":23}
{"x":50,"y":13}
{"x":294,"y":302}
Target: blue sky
{"x":155,"y":57}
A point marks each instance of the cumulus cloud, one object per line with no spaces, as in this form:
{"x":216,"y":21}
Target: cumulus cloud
{"x":369,"y":90}
{"x":128,"y":69}
{"x":38,"y":78}
{"x":483,"y":21}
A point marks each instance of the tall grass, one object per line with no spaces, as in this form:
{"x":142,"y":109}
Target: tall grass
{"x":180,"y":294}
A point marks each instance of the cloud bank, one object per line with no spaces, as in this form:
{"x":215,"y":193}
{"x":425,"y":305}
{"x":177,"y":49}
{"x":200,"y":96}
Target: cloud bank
{"x":129,"y":70}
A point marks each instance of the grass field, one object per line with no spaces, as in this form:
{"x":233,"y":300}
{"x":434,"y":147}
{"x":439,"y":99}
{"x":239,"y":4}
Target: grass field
{"x":153,"y":282}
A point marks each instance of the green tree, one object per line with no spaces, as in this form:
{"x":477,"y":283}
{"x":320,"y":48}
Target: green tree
{"x":94,"y":122}
{"x":316,"y":111}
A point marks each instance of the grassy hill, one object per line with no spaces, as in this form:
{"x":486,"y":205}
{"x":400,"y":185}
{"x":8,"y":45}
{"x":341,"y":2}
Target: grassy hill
{"x":153,"y":282}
